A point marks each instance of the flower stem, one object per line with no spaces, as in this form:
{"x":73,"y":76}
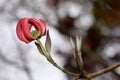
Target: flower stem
{"x":50,"y":59}
{"x":65,"y":71}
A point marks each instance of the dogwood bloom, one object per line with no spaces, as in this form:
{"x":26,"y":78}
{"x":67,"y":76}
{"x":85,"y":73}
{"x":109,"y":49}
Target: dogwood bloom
{"x":24,"y":29}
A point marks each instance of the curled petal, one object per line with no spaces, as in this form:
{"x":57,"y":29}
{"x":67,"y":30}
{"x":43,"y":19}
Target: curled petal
{"x":20,"y":34}
{"x":35,"y":23}
{"x":43,"y":26}
{"x":26,"y":29}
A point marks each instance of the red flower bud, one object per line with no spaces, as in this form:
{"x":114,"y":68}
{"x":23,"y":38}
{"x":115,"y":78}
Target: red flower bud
{"x":24,"y":26}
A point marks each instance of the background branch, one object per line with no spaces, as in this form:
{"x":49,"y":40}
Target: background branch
{"x":103,"y":71}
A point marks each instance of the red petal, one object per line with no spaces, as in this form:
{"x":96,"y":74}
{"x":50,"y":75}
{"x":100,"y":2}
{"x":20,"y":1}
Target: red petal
{"x":26,"y":29}
{"x":20,"y":34}
{"x":36,"y":24}
{"x":43,"y":26}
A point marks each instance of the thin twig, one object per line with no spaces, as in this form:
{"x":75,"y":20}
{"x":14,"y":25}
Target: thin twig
{"x":103,"y":71}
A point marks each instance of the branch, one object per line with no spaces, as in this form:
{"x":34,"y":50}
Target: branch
{"x":103,"y":71}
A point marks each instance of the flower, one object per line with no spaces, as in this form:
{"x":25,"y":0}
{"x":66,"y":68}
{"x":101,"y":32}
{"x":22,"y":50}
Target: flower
{"x":24,"y":27}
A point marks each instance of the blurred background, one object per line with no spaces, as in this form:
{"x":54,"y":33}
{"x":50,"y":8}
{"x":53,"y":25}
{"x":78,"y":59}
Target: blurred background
{"x":96,"y":21}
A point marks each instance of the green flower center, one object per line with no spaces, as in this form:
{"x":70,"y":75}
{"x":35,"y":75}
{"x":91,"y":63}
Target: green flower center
{"x":34,"y":33}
